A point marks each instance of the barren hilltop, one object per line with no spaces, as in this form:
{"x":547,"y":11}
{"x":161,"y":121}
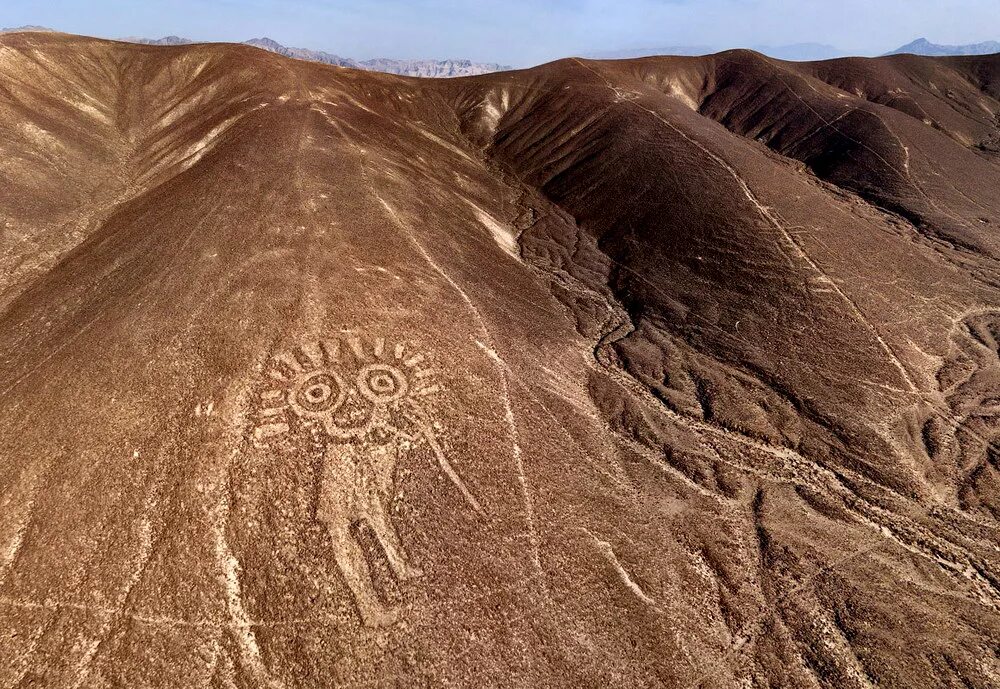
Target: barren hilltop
{"x":675,"y":372}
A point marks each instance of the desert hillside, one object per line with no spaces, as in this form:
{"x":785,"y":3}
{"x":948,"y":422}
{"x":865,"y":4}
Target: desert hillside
{"x":677,"y":372}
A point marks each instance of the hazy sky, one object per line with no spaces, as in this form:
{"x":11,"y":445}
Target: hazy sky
{"x":520,"y":32}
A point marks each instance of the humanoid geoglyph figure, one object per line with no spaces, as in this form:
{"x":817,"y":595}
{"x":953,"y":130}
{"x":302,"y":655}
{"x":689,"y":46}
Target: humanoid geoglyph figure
{"x":367,"y":403}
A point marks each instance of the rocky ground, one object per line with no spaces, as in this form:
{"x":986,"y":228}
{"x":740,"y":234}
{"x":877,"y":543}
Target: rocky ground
{"x":666,"y":372}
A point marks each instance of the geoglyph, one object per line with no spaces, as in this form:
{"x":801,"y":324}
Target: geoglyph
{"x":367,"y":403}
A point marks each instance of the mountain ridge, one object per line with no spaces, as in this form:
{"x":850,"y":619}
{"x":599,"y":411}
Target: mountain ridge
{"x":922,"y":46}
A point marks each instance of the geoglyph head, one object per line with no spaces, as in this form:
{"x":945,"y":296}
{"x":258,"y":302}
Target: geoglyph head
{"x":351,"y":389}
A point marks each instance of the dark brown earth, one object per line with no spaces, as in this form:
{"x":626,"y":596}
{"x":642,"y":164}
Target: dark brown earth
{"x":676,"y":372}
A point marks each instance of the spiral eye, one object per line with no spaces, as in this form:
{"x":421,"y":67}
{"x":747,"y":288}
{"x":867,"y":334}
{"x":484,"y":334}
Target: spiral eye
{"x":319,"y":393}
{"x":381,"y":383}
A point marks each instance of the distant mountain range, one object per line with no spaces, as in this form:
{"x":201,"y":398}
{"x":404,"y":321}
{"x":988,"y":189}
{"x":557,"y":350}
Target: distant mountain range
{"x":795,"y":51}
{"x":798,"y":52}
{"x":628,"y":53}
{"x":922,"y":46}
{"x":410,"y":68}
{"x":801,"y":52}
{"x":166,"y":40}
{"x":28,"y":27}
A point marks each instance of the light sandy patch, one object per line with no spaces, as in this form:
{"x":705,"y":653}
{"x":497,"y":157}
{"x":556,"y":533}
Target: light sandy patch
{"x":494,"y":107}
{"x":90,"y":110}
{"x":40,"y":136}
{"x":502,"y":234}
{"x":197,"y":151}
{"x":677,"y":90}
{"x":450,"y":146}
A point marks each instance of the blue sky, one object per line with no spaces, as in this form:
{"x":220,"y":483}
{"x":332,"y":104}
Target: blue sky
{"x":520,"y":32}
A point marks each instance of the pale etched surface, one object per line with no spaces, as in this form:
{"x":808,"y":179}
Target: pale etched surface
{"x":367,"y":402}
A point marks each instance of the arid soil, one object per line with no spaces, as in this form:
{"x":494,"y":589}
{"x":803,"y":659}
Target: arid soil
{"x":678,"y":372}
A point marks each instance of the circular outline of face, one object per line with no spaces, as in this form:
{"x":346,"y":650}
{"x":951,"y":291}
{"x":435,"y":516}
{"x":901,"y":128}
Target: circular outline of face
{"x":382,"y":384}
{"x":319,"y":394}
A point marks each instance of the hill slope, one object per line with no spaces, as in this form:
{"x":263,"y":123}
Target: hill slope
{"x":660,"y":372}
